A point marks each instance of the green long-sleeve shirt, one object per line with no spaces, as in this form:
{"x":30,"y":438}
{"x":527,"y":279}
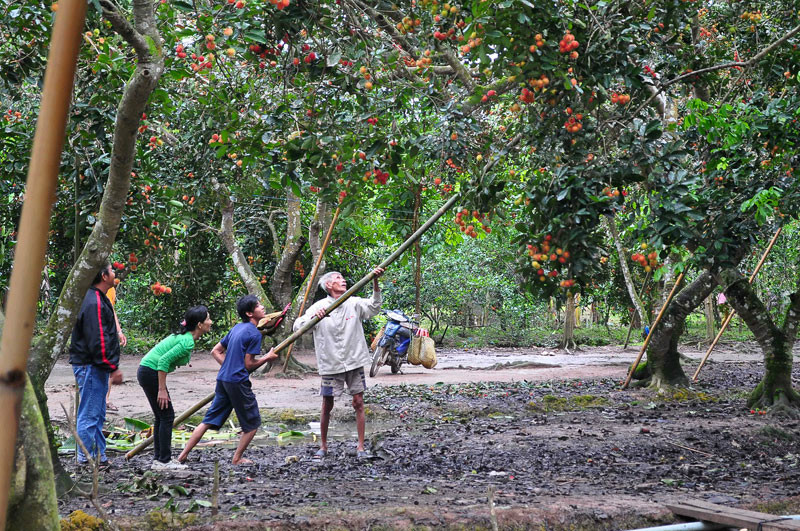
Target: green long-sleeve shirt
{"x":172,"y":352}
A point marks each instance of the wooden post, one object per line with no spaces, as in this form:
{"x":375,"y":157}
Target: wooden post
{"x":312,"y":280}
{"x":338,"y":302}
{"x":708,"y":311}
{"x":40,"y":192}
{"x":652,"y":329}
{"x":417,"y":251}
{"x":730,"y":315}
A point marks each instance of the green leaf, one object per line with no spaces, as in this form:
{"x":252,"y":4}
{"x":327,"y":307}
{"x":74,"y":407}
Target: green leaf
{"x":136,"y":424}
{"x":182,"y":5}
{"x":178,"y":489}
{"x":254,"y":35}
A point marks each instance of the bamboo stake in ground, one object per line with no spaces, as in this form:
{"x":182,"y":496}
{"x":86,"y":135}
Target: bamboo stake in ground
{"x":630,"y":326}
{"x":730,"y":315}
{"x":312,"y":280}
{"x":338,"y":302}
{"x":34,"y":224}
{"x":652,"y":329}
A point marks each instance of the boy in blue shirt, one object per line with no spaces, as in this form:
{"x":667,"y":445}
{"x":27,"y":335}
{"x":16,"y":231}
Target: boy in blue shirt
{"x":236,"y":353}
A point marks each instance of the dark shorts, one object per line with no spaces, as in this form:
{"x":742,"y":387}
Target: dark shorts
{"x":234,"y":396}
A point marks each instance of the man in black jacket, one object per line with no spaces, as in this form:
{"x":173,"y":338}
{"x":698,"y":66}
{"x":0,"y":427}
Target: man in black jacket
{"x":94,"y":355}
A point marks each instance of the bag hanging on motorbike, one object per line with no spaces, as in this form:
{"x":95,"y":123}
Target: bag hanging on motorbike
{"x":414,"y":351}
{"x":378,"y":337}
{"x":427,"y":353}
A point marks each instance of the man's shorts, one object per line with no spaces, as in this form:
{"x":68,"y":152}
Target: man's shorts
{"x":236,"y":396}
{"x":333,"y":384}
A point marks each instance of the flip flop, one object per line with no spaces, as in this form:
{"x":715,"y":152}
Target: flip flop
{"x":111,"y":407}
{"x":320,"y":455}
{"x":244,"y":462}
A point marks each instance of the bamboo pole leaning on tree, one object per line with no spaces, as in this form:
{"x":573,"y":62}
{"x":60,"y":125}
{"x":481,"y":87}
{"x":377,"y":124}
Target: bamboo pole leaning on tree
{"x":338,"y":302}
{"x":630,"y":325}
{"x":40,"y":192}
{"x":311,"y":280}
{"x":652,"y":329}
{"x":731,"y":314}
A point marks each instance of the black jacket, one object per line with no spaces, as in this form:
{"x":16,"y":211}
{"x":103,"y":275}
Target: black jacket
{"x":94,"y":338}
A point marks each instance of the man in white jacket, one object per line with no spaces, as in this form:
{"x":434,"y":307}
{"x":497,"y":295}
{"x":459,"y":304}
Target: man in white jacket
{"x":341,"y":350}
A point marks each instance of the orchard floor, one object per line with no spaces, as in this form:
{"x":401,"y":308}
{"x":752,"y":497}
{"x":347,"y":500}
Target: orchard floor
{"x":554,"y":444}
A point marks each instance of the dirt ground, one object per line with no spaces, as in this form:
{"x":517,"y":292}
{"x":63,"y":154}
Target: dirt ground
{"x":552,"y":444}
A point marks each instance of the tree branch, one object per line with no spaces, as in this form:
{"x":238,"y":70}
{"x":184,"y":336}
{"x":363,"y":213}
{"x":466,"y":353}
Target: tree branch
{"x":276,"y":247}
{"x":626,"y":273}
{"x":493,"y":161}
{"x":461,"y":71}
{"x":125,"y":29}
{"x":244,"y":270}
{"x":750,"y":308}
{"x":742,"y":64}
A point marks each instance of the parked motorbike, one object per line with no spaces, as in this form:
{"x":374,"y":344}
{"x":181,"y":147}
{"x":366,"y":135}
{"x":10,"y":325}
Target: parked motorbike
{"x":393,"y":345}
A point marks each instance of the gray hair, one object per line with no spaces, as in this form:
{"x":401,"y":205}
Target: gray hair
{"x":324,"y":279}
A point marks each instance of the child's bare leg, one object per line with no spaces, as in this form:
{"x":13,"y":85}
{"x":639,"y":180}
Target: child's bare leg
{"x":197,"y":434}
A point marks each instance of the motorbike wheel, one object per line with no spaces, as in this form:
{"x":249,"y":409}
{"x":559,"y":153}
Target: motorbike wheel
{"x":378,"y":359}
{"x":395,"y":365}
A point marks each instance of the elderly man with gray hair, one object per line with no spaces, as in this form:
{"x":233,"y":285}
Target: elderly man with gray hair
{"x":341,"y":350}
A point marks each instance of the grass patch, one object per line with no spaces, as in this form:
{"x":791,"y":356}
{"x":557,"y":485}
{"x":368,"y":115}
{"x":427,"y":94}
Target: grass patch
{"x":163,"y":519}
{"x":684,"y":395}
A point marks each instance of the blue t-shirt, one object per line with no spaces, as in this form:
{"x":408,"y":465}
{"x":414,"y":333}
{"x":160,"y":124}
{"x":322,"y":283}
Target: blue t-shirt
{"x":244,"y":338}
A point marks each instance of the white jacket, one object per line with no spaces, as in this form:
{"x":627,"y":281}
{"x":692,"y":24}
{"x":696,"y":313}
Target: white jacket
{"x":339,"y":338}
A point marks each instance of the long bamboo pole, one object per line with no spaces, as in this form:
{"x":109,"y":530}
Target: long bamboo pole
{"x":652,"y":329}
{"x":312,"y":279}
{"x":730,"y":315}
{"x":630,"y":325}
{"x":34,"y":224}
{"x":338,"y":302}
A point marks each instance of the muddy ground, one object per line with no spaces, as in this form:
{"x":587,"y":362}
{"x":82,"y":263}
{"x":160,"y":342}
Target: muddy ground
{"x":552,"y":445}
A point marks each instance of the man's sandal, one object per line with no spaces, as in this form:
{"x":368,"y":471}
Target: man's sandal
{"x":320,"y":455}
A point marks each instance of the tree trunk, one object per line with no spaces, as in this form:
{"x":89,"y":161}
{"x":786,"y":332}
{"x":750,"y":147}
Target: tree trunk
{"x":281,"y":285}
{"x":568,"y":341}
{"x":228,"y":236}
{"x":144,"y":38}
{"x":626,"y":272}
{"x":775,"y":391}
{"x":663,"y":366}
{"x":32,"y":503}
{"x":317,"y":230}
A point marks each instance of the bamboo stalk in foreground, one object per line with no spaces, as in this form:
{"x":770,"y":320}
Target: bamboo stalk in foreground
{"x":34,"y":224}
{"x":730,"y":315}
{"x":652,"y":329}
{"x":338,"y":302}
